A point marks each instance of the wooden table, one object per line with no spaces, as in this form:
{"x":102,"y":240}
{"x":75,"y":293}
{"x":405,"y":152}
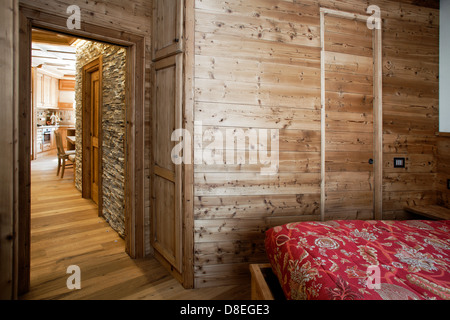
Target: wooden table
{"x":71,"y":142}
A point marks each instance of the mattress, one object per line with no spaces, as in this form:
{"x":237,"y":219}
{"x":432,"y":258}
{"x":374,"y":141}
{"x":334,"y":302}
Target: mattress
{"x":362,"y":260}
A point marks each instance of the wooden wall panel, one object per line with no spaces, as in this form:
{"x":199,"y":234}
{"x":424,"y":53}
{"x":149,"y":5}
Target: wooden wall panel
{"x":270,"y":81}
{"x":411,"y":100}
{"x":257,"y":65}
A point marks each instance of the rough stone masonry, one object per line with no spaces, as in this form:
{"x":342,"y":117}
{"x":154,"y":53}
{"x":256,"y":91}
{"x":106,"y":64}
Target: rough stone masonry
{"x":113,"y":127}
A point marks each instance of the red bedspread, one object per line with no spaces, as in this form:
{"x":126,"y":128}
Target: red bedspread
{"x":370,"y":260}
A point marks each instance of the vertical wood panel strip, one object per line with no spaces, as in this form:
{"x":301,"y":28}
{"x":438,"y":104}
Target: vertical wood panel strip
{"x":189,"y":105}
{"x":139,"y":145}
{"x":24,"y":149}
{"x":8,"y":160}
{"x":378,"y":123}
{"x":179,"y":169}
{"x":323,"y":117}
{"x":129,"y":151}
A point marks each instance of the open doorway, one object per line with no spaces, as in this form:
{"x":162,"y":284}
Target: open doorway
{"x":78,"y":141}
{"x":79,"y":109}
{"x":133,"y":208}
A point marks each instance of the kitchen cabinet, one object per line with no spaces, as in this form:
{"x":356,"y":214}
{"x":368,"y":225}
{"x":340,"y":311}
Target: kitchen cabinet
{"x":45,"y":90}
{"x":66,"y":94}
{"x":38,"y":90}
{"x":39,"y":146}
{"x":46,"y":87}
{"x":53,"y":140}
{"x":39,"y":141}
{"x":54,"y":92}
{"x":66,"y":85}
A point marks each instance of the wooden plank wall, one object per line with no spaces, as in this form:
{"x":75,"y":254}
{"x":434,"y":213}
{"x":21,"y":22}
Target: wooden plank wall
{"x":132,"y":16}
{"x":411,"y":105}
{"x":257,"y":65}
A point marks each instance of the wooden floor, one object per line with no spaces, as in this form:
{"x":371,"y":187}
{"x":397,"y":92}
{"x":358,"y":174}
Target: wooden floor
{"x":66,"y":230}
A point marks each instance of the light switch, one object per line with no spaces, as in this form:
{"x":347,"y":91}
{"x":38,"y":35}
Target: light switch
{"x":399,"y":163}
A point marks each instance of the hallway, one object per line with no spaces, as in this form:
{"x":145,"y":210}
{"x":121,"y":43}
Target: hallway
{"x":65,"y":231}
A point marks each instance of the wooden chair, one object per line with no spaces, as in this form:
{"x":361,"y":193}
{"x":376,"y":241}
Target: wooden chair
{"x":63,"y":156}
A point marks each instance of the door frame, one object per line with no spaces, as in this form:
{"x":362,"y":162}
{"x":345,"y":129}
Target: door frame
{"x":377,"y":109}
{"x":30,"y":17}
{"x":88,"y":69}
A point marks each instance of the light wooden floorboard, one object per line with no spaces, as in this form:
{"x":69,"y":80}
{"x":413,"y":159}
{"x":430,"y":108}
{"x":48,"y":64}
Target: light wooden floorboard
{"x":65,"y":231}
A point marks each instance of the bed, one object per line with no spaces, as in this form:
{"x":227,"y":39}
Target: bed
{"x":361,"y":260}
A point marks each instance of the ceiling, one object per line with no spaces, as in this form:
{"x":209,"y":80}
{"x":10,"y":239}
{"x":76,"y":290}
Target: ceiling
{"x":54,"y":53}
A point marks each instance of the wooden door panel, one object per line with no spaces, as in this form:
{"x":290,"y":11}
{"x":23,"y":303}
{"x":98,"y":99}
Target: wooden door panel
{"x":165,"y":234}
{"x":165,"y":115}
{"x":95,"y":131}
{"x":166,"y":177}
{"x":168,"y":26}
{"x":349,"y":120}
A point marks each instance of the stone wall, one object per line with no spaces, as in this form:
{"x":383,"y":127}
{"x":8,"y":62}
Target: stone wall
{"x":113,"y":127}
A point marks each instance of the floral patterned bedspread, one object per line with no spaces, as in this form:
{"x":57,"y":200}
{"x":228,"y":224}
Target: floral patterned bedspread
{"x":362,"y":260}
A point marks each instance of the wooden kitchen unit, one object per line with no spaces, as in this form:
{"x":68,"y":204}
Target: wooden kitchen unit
{"x":51,"y":95}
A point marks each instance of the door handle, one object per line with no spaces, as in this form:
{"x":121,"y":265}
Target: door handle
{"x":371,"y":161}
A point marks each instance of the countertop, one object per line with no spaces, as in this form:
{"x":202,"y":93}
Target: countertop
{"x":69,"y":126}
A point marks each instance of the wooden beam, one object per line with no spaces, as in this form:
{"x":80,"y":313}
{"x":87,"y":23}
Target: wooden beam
{"x":8,"y":144}
{"x":378,"y":123}
{"x":24,"y":145}
{"x":323,"y":117}
{"x":188,"y":172}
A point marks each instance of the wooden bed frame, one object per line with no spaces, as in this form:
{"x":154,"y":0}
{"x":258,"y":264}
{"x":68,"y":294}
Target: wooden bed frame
{"x":265,"y":285}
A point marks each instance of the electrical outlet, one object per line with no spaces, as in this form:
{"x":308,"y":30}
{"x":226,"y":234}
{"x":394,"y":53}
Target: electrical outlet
{"x":399,"y":163}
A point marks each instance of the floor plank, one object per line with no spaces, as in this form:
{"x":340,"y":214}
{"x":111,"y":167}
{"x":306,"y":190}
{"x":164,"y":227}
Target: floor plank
{"x":65,"y":231}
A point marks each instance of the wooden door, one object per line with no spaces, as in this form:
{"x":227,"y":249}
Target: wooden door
{"x":166,"y":176}
{"x":168,"y":28}
{"x":349,"y":120}
{"x":95,"y":133}
{"x":92,"y":132}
